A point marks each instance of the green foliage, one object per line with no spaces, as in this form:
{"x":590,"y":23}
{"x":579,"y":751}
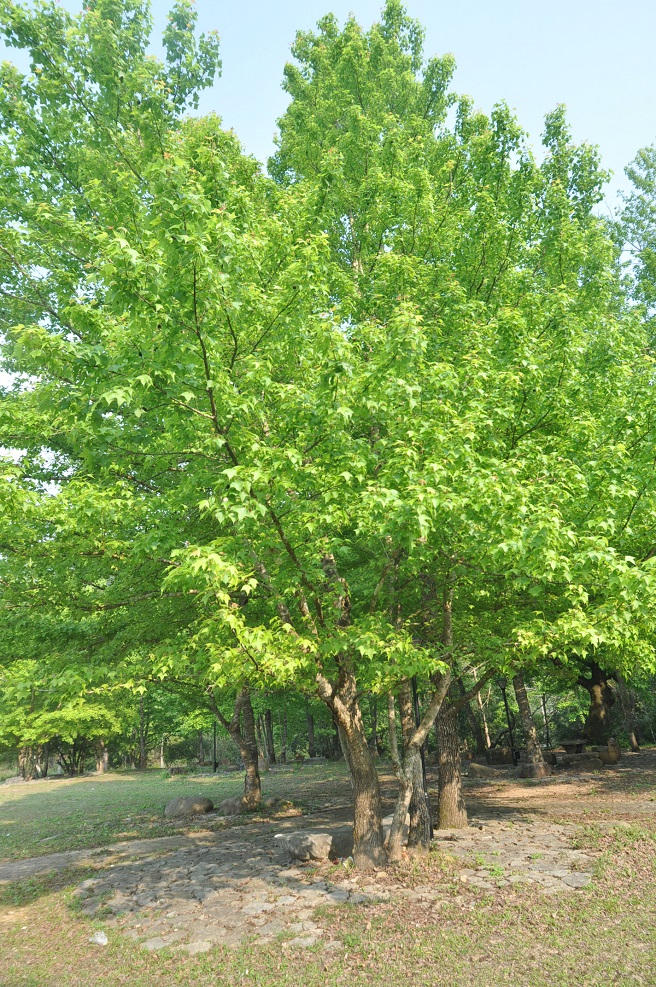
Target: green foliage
{"x":269,"y":426}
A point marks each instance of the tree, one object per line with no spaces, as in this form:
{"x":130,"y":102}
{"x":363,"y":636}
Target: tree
{"x":361,"y":416}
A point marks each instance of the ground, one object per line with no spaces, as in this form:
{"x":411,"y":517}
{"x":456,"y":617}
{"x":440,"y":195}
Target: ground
{"x":553,"y":883}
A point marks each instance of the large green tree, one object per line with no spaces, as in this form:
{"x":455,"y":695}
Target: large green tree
{"x":359,"y":420}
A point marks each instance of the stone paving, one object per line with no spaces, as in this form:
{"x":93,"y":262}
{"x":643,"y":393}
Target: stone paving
{"x":220,"y":892}
{"x":196,"y":897}
{"x":510,"y":850}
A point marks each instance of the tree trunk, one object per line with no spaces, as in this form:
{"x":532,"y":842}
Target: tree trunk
{"x":535,"y":766}
{"x":268,"y":736}
{"x":373,"y":740}
{"x":283,"y":738}
{"x":143,"y":754}
{"x":367,"y":811}
{"x":246,"y":741}
{"x":481,"y":709}
{"x":201,"y":748}
{"x":451,"y":810}
{"x":261,"y":743}
{"x":102,"y":757}
{"x":597,"y":725}
{"x":473,"y":721}
{"x":162,"y":762}
{"x":419,"y":834}
{"x":628,"y":702}
{"x":312,"y":751}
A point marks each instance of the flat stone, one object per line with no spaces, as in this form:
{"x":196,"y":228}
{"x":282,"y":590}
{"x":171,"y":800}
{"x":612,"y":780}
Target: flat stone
{"x":303,"y":942}
{"x":152,"y":944}
{"x":577,"y":880}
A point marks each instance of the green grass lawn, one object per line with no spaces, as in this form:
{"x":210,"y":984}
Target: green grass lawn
{"x":51,"y":816}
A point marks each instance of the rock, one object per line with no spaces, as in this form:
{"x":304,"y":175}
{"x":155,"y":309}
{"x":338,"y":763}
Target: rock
{"x":534,"y":770}
{"x":483,"y":771}
{"x":306,"y":846}
{"x":610,"y":754}
{"x":231,"y":807}
{"x":99,"y":939}
{"x":193,"y":806}
{"x":583,"y":762}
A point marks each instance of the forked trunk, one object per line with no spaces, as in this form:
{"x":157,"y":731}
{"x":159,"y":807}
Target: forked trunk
{"x":419,"y":834}
{"x":451,"y":810}
{"x":536,"y":766}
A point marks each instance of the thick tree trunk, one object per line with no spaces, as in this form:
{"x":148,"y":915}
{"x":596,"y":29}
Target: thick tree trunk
{"x":602,"y":698}
{"x":268,"y":736}
{"x":451,"y":809}
{"x":312,"y":750}
{"x":367,"y":811}
{"x":535,"y":766}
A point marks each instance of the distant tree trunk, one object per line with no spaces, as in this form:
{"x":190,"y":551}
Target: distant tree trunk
{"x":102,"y":757}
{"x":162,"y":762}
{"x":268,"y":736}
{"x":260,"y":736}
{"x":312,"y":751}
{"x":602,"y":698}
{"x":143,"y":728}
{"x":628,"y":701}
{"x":451,"y":809}
{"x":373,"y":741}
{"x":481,"y":709}
{"x":201,"y":748}
{"x":535,"y":766}
{"x":283,"y":737}
{"x":473,"y":721}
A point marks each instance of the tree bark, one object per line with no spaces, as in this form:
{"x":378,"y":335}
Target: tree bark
{"x":242,"y":730}
{"x":268,"y":736}
{"x":602,"y":698}
{"x":283,"y":738}
{"x":535,"y":766}
{"x":628,"y":701}
{"x":481,"y":709}
{"x":373,"y":740}
{"x":419,"y":834}
{"x":143,"y":729}
{"x":342,"y":700}
{"x":451,"y":809}
{"x":312,"y":751}
{"x":473,"y":721}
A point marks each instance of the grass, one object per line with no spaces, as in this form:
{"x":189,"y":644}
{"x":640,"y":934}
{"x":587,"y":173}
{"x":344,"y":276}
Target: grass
{"x":514,"y":936}
{"x":51,"y":816}
{"x":605,"y":935}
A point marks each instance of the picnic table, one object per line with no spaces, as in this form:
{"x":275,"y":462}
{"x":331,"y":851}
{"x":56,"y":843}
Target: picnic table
{"x":574,"y":746}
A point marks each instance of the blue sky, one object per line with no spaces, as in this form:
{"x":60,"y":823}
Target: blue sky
{"x":596,"y":56}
